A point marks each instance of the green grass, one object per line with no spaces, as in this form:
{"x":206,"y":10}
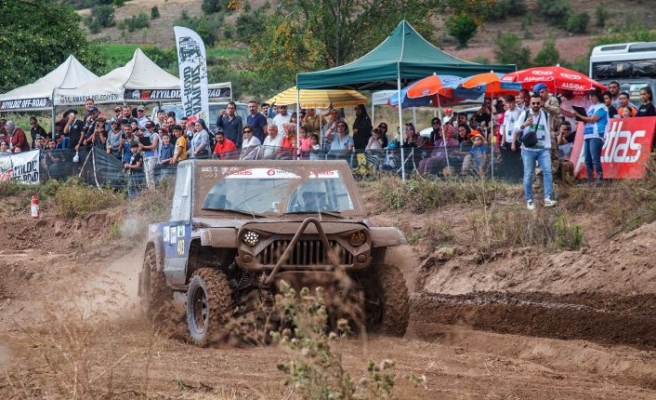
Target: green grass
{"x":227,"y":53}
{"x":122,"y":53}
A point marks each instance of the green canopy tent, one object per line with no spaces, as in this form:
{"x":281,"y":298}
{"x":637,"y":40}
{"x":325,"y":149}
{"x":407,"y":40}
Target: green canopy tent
{"x":403,"y":57}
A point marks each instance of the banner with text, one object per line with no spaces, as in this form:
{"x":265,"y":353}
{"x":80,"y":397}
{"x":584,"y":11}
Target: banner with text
{"x":626,"y":148}
{"x":193,"y":74}
{"x":21,"y":167}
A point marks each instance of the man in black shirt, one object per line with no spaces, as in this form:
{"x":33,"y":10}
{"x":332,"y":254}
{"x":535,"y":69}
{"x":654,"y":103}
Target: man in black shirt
{"x":73,"y":129}
{"x":36,"y":130}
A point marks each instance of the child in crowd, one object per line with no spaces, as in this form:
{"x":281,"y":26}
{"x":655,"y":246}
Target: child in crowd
{"x":626,"y":112}
{"x":132,"y":167}
{"x":305,"y":143}
{"x":315,"y":148}
{"x":477,"y":155}
{"x":166,"y":151}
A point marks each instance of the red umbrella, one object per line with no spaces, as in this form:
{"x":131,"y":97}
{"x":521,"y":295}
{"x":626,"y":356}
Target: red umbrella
{"x":555,"y":77}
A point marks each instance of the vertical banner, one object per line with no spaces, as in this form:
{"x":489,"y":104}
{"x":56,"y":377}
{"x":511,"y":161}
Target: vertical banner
{"x":21,"y":167}
{"x":193,"y":74}
{"x":626,"y":149}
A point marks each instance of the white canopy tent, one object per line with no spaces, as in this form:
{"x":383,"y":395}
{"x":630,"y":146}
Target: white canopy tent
{"x":138,"y":81}
{"x":39,"y":96}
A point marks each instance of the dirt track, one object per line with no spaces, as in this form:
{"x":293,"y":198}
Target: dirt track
{"x":513,"y":344}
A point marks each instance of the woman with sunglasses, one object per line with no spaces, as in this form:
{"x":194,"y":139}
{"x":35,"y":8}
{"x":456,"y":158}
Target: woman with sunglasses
{"x":250,"y":144}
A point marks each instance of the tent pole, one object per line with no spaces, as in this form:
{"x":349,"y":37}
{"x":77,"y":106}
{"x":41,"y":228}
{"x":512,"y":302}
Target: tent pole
{"x":53,"y":115}
{"x":446,"y":150}
{"x":298,"y":122}
{"x":373,"y":110}
{"x":401,"y":141}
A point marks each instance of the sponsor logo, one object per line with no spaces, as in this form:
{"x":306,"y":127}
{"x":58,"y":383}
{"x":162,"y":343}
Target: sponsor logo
{"x":570,"y":76}
{"x":542,"y":73}
{"x":621,"y":146}
{"x":26,"y":103}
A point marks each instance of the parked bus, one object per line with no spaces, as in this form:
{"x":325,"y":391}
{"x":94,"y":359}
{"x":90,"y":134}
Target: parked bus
{"x":633,"y":65}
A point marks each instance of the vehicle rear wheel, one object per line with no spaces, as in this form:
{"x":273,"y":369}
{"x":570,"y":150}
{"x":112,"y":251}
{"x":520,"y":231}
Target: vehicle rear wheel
{"x":153,"y":292}
{"x":387,"y":304}
{"x":209,"y":300}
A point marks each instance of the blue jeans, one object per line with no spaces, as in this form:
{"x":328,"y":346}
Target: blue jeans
{"x":543,"y":157}
{"x":592,"y":152}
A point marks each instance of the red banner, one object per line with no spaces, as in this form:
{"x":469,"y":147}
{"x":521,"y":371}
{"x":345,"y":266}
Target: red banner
{"x":626,"y":148}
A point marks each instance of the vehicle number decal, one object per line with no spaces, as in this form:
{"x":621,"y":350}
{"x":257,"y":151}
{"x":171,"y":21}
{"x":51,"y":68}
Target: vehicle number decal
{"x":181,"y":246}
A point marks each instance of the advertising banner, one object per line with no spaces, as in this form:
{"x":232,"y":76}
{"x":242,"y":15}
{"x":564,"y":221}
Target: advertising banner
{"x":21,"y":167}
{"x":627,"y":146}
{"x":25,"y":104}
{"x":193,"y":73}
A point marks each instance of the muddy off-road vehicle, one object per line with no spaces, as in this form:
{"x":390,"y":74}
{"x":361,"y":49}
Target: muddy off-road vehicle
{"x":239,"y":227}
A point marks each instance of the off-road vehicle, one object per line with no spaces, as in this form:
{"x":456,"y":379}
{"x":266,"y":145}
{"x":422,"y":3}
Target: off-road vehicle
{"x":239,"y":227}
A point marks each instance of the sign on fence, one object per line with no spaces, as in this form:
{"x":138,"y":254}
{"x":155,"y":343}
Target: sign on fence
{"x":626,"y":148}
{"x":21,"y":167}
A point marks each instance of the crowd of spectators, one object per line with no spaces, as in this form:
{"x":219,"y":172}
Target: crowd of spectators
{"x":270,"y":132}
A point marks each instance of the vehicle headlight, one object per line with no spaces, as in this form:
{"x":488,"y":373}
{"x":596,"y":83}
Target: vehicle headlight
{"x":357,"y":239}
{"x":251,"y":238}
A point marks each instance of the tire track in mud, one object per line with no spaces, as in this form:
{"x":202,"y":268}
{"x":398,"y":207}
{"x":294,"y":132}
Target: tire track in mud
{"x":603,"y":318}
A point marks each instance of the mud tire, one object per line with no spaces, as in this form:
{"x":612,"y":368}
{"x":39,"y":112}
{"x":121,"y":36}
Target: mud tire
{"x":209,"y":302}
{"x":387,"y":304}
{"x":154,"y":295}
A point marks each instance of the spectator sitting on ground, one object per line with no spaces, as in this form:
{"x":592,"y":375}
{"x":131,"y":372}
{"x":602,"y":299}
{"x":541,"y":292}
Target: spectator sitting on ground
{"x":224,"y":149}
{"x":437,"y":159}
{"x":565,"y":140}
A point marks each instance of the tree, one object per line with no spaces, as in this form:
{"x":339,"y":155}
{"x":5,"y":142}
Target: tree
{"x":462,"y":27}
{"x":548,"y":54}
{"x":35,"y":37}
{"x":509,"y":50}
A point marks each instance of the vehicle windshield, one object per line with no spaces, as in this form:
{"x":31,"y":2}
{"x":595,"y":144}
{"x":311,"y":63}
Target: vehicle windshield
{"x":259,"y":191}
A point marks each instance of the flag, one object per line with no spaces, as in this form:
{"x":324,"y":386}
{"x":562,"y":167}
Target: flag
{"x":193,"y":74}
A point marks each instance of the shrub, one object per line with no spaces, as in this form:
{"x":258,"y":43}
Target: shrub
{"x":212,"y":6}
{"x":601,"y":15}
{"x":135,"y":22}
{"x":578,"y":23}
{"x":556,"y":12}
{"x":104,"y":14}
{"x":462,"y":27}
{"x":75,"y":199}
{"x":548,"y":54}
{"x":154,"y":12}
{"x":509,"y":50}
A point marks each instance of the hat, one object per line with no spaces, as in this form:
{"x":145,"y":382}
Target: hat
{"x":118,"y":108}
{"x":141,"y":108}
{"x":149,"y":124}
{"x":472,"y":137}
{"x":125,"y":121}
{"x":113,"y":121}
{"x":134,"y":144}
{"x":93,"y":109}
{"x":448,"y":110}
{"x":58,"y":135}
{"x":539,"y":87}
{"x":70,"y":110}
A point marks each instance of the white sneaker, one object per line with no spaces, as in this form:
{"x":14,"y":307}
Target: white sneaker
{"x":549,"y":203}
{"x":530,"y":205}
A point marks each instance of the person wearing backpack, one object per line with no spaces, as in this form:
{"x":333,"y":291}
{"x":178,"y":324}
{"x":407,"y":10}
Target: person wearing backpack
{"x":536,"y":146}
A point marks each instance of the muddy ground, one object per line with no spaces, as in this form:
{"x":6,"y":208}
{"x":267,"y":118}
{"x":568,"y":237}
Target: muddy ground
{"x":515,"y":325}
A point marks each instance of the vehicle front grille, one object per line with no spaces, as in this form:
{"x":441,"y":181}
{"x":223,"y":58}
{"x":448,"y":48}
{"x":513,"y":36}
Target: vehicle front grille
{"x":306,"y":252}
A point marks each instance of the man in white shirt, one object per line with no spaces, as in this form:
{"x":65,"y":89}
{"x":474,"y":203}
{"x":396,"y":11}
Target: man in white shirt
{"x":282,"y":118}
{"x":272,"y":143}
{"x":511,"y":160}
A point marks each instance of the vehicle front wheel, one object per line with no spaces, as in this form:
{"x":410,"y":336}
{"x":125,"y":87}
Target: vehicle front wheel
{"x":387,"y":304}
{"x":209,"y":302}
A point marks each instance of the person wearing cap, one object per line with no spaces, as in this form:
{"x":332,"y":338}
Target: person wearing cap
{"x":117,"y":115}
{"x":114,"y":138}
{"x":595,"y":120}
{"x":537,"y":121}
{"x":231,"y":124}
{"x":477,"y":156}
{"x":35,"y":130}
{"x":133,"y":167}
{"x":141,"y":117}
{"x":90,"y":121}
{"x":151,"y":153}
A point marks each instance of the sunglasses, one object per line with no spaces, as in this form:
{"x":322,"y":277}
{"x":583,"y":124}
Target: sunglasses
{"x":536,"y":104}
{"x":246,"y":131}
